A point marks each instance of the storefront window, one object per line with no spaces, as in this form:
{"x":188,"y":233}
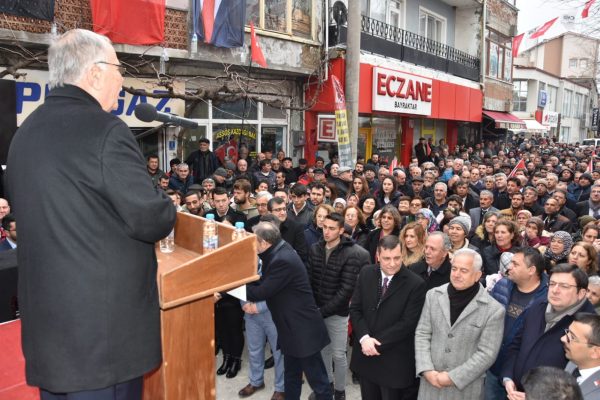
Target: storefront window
{"x":271,"y":139}
{"x":234,"y":141}
{"x":187,"y":141}
{"x":386,"y":133}
{"x":237,"y":110}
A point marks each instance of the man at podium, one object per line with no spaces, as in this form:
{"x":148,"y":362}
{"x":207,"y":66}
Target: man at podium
{"x":87,"y":265}
{"x":300,"y":328}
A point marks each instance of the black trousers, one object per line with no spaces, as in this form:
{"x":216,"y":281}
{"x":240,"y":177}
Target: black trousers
{"x":130,"y":390}
{"x":229,"y":326}
{"x":371,"y":391}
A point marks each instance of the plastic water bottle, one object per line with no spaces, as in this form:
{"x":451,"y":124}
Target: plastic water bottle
{"x":239,"y":232}
{"x":167,"y":244}
{"x":210,"y":239}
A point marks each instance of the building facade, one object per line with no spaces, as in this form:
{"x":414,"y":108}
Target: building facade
{"x":555,"y":87}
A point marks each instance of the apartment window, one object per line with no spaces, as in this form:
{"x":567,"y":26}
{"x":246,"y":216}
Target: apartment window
{"x":565,"y":132}
{"x":432,"y":26}
{"x":566,"y":106}
{"x":577,"y":105}
{"x":583,"y":63}
{"x":377,"y":10}
{"x":572,"y":63}
{"x":499,"y":55}
{"x":291,"y":17}
{"x":395,"y":13}
{"x":520,"y":96}
{"x":552,"y":93}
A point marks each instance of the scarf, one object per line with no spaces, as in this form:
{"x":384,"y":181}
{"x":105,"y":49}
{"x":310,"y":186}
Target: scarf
{"x":553,"y":317}
{"x":432,"y":224}
{"x":459,"y":299}
{"x":567,"y":243}
{"x":594,"y":207}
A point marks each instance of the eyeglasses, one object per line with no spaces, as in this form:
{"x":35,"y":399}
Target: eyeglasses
{"x":563,"y":286}
{"x":120,"y":67}
{"x":572,"y":338}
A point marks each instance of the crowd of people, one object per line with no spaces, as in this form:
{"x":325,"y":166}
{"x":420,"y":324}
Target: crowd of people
{"x":511,"y":221}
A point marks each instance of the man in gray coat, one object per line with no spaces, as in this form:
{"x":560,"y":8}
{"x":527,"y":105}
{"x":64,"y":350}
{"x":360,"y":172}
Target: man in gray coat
{"x":87,"y":263}
{"x":459,"y":334}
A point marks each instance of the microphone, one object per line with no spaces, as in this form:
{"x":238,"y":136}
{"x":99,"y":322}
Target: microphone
{"x":148,"y":113}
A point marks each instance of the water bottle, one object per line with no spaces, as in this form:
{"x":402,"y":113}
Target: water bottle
{"x":239,"y":232}
{"x":210,"y":240}
{"x":167,"y":244}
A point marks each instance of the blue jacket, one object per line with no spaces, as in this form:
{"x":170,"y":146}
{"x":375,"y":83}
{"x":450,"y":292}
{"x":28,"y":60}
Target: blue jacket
{"x":532,"y":347}
{"x":312,"y":234}
{"x":502,"y":292}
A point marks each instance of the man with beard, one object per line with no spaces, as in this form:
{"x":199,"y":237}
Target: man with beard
{"x":516,"y":205}
{"x":153,"y":170}
{"x":560,"y":195}
{"x":242,"y":200}
{"x":193,"y":203}
{"x":317,"y":194}
{"x":401,"y":184}
{"x":202,"y":162}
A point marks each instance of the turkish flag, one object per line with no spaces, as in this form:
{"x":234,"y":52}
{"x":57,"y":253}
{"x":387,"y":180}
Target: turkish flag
{"x":516,"y":44}
{"x":255,"y":51}
{"x":132,"y":21}
{"x":520,"y":165}
{"x":543,"y":29}
{"x":586,"y":9}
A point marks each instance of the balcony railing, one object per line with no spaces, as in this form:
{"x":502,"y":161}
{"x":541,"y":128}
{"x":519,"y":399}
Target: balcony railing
{"x":380,"y":38}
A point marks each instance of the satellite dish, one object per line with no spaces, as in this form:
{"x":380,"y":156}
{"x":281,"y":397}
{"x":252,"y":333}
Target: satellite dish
{"x":340,"y":12}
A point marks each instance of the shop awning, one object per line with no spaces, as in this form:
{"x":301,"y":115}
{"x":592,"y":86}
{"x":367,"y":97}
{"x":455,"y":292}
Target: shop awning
{"x":505,"y":120}
{"x":534,"y":126}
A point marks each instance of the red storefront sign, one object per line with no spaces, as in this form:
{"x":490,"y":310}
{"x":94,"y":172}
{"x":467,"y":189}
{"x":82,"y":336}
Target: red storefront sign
{"x":395,"y":91}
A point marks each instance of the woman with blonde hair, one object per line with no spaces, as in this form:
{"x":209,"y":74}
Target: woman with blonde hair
{"x":412,"y":243}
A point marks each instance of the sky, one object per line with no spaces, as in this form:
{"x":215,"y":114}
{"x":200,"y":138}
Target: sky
{"x":534,"y":13}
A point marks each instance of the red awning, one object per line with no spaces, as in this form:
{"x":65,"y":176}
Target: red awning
{"x":505,"y":120}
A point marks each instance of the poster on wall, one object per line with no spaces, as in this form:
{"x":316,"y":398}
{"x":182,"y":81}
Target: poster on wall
{"x":341,"y":125}
{"x":385,"y":142}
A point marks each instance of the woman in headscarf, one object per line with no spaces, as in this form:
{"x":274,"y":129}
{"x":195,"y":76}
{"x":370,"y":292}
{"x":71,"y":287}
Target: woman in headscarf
{"x":558,"y":250}
{"x":339,"y":205}
{"x":426,"y":218}
{"x":533,"y":234}
{"x":522,"y":218}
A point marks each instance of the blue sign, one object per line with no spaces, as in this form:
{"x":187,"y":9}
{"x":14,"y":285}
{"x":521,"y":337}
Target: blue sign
{"x":542,"y":98}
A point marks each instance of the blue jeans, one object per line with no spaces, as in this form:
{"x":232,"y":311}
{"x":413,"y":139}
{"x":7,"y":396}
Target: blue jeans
{"x":315,"y":373}
{"x":494,"y":390}
{"x":335,"y":352}
{"x":260,"y":327}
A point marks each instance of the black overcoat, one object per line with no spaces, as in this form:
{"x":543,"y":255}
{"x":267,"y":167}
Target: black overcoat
{"x":89,"y":218}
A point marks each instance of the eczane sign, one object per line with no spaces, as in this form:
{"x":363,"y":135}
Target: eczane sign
{"x":399,"y":92}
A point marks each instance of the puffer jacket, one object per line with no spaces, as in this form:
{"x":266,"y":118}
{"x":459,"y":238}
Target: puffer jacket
{"x":502,"y":292}
{"x":333,"y":283}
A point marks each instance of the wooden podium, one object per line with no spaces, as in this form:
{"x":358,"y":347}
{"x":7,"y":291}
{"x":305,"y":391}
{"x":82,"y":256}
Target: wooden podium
{"x":187,"y":279}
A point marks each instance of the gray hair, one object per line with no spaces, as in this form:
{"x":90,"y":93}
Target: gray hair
{"x":264,"y":193}
{"x":182,"y":165}
{"x":477,"y":261}
{"x":268,"y":232}
{"x":594,"y":280}
{"x":442,"y":185}
{"x":500,"y":175}
{"x":70,"y":56}
{"x":486,"y":193}
{"x":445,"y":239}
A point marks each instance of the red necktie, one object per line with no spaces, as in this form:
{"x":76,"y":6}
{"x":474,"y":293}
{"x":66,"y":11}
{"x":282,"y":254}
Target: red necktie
{"x":208,"y":18}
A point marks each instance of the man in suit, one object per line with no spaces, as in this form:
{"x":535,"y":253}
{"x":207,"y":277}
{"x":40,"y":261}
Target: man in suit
{"x":590,"y":206}
{"x":384,"y":311}
{"x":537,"y":342}
{"x":422,"y":151}
{"x":301,"y":331}
{"x":459,"y":333}
{"x":87,"y":264}
{"x":486,"y":199}
{"x":469,"y":199}
{"x":435,"y":268}
{"x":530,"y":200}
{"x":582,"y":347}
{"x":291,"y":231}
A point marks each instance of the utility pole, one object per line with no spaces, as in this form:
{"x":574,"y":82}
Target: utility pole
{"x":353,"y":74}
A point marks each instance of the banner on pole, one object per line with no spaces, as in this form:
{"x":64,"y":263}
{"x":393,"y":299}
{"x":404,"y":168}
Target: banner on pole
{"x":341,"y":125}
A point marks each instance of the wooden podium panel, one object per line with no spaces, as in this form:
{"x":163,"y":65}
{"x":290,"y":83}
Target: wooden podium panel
{"x":187,"y":280}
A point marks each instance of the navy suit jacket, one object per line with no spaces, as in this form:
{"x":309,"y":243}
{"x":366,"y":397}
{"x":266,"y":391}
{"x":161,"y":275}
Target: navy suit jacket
{"x":228,"y":27}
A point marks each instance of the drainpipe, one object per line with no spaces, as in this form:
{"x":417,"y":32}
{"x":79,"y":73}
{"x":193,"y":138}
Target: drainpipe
{"x":482,"y":61}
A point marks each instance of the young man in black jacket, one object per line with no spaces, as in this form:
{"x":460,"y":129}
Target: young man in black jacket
{"x":333,"y":266}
